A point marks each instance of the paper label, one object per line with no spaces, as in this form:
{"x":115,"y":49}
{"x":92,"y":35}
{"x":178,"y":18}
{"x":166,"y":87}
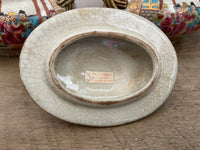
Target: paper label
{"x":99,"y":77}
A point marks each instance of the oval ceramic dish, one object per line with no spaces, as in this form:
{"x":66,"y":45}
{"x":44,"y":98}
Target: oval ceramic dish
{"x":98,"y":66}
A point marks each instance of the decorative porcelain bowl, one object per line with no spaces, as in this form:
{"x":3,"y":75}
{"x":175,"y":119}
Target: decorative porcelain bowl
{"x":18,"y":18}
{"x":98,"y":66}
{"x":174,"y":17}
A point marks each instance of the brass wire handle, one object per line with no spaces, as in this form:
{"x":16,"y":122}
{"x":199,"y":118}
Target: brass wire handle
{"x":117,"y":4}
{"x":67,"y":4}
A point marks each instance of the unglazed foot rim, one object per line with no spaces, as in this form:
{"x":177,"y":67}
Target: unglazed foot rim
{"x":41,"y":44}
{"x":103,"y":100}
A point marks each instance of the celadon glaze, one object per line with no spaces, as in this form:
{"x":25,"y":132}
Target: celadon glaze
{"x":56,"y":65}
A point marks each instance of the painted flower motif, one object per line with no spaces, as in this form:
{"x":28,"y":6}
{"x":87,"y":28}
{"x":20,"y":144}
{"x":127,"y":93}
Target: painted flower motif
{"x":13,"y":35}
{"x":166,"y":25}
{"x":184,"y":21}
{"x":177,"y":29}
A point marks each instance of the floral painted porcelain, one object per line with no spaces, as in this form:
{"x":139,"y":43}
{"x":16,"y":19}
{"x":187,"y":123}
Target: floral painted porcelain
{"x":174,"y":17}
{"x":18,"y":18}
{"x":98,"y":66}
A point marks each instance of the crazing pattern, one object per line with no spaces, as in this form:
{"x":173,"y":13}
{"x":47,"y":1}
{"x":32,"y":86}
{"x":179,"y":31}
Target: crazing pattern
{"x":42,"y":42}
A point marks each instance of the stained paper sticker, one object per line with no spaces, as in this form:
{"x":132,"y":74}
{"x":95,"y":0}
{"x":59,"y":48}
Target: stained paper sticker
{"x":99,"y":77}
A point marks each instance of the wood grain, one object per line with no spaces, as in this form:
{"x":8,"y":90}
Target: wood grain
{"x":174,"y":126}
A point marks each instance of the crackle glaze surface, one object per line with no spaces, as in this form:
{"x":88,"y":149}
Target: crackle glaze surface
{"x":18,"y":18}
{"x":41,"y":44}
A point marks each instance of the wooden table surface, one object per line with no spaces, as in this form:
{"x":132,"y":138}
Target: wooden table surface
{"x":174,"y":126}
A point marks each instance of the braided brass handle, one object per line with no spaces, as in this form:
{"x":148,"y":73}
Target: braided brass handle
{"x":67,"y":4}
{"x":118,"y":4}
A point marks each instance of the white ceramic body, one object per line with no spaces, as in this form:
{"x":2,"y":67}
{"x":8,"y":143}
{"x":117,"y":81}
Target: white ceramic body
{"x":37,"y":59}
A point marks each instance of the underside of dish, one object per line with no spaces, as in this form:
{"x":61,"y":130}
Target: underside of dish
{"x":104,"y":68}
{"x":98,"y":67}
